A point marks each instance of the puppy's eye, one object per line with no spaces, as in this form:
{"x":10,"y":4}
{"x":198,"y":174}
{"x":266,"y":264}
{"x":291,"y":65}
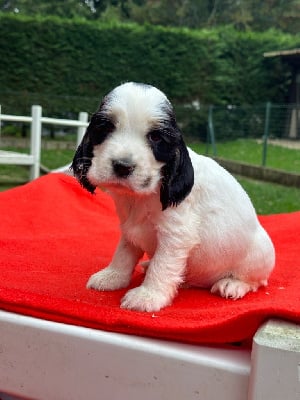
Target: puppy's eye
{"x":105,"y":125}
{"x":155,"y":136}
{"x":99,"y":128}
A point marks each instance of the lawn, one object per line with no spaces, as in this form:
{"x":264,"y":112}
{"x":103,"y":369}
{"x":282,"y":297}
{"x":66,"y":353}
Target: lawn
{"x":11,"y":175}
{"x":250,"y":151}
{"x":270,"y":198}
{"x":267,"y":198}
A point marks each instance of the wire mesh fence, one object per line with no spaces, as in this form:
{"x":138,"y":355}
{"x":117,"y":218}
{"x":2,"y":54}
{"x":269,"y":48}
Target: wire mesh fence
{"x":256,"y":134}
{"x":229,"y":121}
{"x":255,"y":121}
{"x":237,"y":132}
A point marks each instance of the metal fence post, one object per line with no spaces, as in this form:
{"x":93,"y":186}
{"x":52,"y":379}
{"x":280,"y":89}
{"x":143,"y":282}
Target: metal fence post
{"x":35,"y":140}
{"x":211,"y":131}
{"x":266,"y":133}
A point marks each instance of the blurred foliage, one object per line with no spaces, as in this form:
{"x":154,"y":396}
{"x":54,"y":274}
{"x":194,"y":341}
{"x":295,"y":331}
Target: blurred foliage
{"x":197,"y":14}
{"x":69,"y":64}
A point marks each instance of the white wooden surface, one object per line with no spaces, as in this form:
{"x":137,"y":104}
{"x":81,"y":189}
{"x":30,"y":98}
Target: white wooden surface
{"x":45,"y":360}
{"x":50,"y":361}
{"x":276,"y":362}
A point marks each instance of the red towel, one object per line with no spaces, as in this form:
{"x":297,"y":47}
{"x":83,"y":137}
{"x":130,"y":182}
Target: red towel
{"x":54,"y":235}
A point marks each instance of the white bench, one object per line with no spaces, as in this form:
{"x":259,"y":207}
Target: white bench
{"x":47,"y":361}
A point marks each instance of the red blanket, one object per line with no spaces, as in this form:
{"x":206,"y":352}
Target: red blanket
{"x":54,"y":235}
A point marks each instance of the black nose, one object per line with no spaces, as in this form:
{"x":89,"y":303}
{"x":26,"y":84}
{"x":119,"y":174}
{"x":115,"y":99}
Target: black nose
{"x":123,"y":167}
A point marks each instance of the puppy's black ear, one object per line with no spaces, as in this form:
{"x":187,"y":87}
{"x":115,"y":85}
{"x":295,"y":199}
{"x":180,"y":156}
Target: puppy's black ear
{"x":82,"y":161}
{"x":98,"y":129}
{"x":177,"y":177}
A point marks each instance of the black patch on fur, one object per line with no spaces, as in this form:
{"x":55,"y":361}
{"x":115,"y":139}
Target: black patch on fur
{"x":178,"y":173}
{"x":165,"y":140}
{"x":98,"y":129}
{"x":82,"y":162}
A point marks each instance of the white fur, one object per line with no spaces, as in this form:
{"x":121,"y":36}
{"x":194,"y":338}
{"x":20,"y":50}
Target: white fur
{"x":212,"y":239}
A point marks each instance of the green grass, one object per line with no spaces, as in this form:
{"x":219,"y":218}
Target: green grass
{"x":250,"y":151}
{"x":56,"y":158}
{"x":50,"y":158}
{"x":13,"y":175}
{"x":267,"y":198}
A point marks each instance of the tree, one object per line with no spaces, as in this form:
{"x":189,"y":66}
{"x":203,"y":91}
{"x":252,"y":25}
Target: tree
{"x":61,"y":8}
{"x":254,"y":15}
{"x":242,"y":14}
{"x":89,"y":9}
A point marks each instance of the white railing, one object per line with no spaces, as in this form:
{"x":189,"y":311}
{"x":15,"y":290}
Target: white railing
{"x":36,"y":120}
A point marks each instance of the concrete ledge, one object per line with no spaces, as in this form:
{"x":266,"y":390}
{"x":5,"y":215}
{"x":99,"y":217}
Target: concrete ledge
{"x":275,"y":366}
{"x":261,"y":173}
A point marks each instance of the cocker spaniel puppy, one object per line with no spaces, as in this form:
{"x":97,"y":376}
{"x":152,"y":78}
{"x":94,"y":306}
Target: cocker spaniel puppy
{"x":189,"y":215}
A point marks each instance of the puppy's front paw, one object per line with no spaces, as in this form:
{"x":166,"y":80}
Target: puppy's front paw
{"x":108,"y":279}
{"x":145,"y":299}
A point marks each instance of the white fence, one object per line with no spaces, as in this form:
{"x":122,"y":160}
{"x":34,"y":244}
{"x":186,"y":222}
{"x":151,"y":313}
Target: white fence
{"x":36,"y":120}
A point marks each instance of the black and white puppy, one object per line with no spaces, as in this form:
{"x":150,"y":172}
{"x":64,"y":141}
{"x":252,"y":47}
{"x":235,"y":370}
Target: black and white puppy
{"x":192,"y":218}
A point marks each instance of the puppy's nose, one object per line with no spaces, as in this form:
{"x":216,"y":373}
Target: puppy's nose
{"x":123,"y":167}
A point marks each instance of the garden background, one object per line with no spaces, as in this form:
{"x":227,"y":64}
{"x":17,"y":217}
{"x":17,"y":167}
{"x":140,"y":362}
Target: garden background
{"x":205,"y":55}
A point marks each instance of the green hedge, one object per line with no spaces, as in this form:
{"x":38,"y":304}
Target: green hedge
{"x":69,"y":64}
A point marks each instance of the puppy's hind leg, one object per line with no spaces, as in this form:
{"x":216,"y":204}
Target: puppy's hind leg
{"x":231,"y":288}
{"x":252,"y":272}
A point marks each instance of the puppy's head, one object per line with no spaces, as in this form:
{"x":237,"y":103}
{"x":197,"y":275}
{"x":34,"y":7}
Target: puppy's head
{"x":133,"y":144}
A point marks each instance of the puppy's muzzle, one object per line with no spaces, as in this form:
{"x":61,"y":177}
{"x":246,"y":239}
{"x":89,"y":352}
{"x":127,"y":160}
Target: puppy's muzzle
{"x":123,"y":168}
